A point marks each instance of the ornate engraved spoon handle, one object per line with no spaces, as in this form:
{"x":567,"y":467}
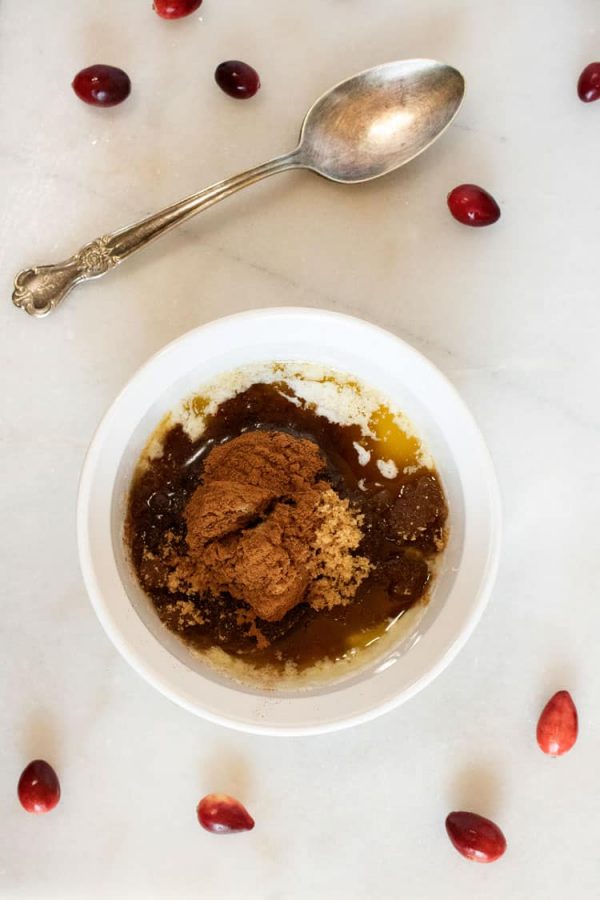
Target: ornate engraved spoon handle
{"x":39,"y":290}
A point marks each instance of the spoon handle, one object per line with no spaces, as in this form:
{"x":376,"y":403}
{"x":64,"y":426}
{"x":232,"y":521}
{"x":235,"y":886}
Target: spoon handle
{"x":40,"y":290}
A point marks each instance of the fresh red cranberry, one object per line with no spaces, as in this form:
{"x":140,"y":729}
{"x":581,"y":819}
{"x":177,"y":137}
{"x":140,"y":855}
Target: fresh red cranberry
{"x":223,"y":814}
{"x":176,"y":9}
{"x":473,"y":206}
{"x":558,"y":725}
{"x":102,"y":85}
{"x":475,"y":837}
{"x":588,"y":86}
{"x":39,"y":788}
{"x":237,"y":79}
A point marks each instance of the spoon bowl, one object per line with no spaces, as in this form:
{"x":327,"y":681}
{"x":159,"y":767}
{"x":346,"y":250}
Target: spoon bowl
{"x":378,"y":120}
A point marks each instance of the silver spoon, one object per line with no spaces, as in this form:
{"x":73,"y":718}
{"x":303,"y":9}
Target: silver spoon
{"x":362,"y":128}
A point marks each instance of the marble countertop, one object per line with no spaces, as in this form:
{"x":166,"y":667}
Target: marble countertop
{"x":509,"y":313}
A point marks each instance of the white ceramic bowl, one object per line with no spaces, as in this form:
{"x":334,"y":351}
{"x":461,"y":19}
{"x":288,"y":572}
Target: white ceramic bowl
{"x":377,"y":359}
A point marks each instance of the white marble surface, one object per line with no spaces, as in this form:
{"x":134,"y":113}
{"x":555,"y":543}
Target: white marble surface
{"x":510,"y":313}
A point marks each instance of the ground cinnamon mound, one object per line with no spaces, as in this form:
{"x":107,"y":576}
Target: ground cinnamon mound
{"x":223,"y":507}
{"x":271,"y":460}
{"x":264,"y":527}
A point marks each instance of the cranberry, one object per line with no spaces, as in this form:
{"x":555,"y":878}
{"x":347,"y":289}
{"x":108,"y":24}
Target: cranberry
{"x":588,"y":86}
{"x":475,"y":837}
{"x":237,"y":79}
{"x":473,"y":206}
{"x":102,"y":85}
{"x":176,"y":9}
{"x":223,"y":814}
{"x":39,"y":789}
{"x":558,"y":726}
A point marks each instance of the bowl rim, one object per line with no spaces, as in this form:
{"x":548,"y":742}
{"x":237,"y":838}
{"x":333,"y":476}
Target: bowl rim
{"x":136,"y":658}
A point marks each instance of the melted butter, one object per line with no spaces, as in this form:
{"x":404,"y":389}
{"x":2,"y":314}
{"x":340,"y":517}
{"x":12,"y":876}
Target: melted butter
{"x":392,"y":441}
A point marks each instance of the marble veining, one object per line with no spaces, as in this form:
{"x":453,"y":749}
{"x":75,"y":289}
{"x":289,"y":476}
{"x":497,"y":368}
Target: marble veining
{"x":509,"y":313}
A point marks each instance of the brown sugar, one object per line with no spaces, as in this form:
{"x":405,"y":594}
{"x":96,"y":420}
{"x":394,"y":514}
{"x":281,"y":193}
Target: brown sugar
{"x":420,"y":506}
{"x":182,"y":614}
{"x":337,"y":572}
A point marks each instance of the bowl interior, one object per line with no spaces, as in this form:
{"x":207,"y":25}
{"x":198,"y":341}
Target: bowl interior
{"x":412,"y":385}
